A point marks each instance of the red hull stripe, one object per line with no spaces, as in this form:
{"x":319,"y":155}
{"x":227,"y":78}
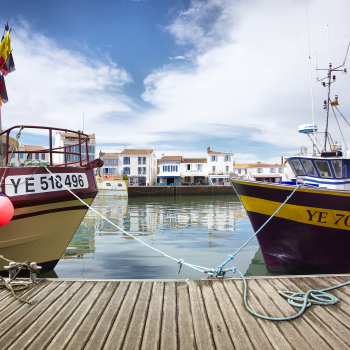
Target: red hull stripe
{"x":43,"y":212}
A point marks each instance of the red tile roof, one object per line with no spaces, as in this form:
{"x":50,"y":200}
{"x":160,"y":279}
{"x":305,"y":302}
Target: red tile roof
{"x":194,"y":160}
{"x":31,"y":148}
{"x":137,"y":151}
{"x":171,"y":159}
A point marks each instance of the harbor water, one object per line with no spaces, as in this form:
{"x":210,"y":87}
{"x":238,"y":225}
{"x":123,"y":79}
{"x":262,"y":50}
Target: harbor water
{"x":201,"y":230}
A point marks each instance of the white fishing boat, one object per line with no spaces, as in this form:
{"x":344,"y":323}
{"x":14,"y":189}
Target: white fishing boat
{"x":111,"y":187}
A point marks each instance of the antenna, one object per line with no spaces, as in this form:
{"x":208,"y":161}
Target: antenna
{"x":328,"y":43}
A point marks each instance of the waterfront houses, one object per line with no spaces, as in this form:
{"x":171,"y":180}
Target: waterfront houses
{"x":110,"y":164}
{"x":140,"y":166}
{"x":169,"y":170}
{"x":18,"y":159}
{"x":194,"y":171}
{"x":220,"y":166}
{"x":63,"y":139}
{"x":260,"y":171}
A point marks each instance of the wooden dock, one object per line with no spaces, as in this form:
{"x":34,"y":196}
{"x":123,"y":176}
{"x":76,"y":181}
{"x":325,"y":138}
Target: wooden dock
{"x":205,"y":314}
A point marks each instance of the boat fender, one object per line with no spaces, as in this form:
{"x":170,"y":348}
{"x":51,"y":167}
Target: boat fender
{"x":6,"y":210}
{"x":300,"y":182}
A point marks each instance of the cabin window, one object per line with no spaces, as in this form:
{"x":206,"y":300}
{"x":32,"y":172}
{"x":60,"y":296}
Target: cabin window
{"x":108,"y":184}
{"x":296,"y":167}
{"x":323,"y":168}
{"x":120,"y":185}
{"x":309,"y":167}
{"x":337,"y":168}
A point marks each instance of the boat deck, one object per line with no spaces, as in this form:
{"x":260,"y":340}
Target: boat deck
{"x":205,"y":314}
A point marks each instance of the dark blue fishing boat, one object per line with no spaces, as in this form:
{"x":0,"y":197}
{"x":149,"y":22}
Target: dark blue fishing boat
{"x":311,"y":232}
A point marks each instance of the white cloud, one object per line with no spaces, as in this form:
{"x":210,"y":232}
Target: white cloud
{"x":255,"y":75}
{"x":244,"y":76}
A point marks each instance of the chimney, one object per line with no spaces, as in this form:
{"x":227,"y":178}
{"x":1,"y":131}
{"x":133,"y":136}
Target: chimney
{"x":208,"y":149}
{"x":282,"y":160}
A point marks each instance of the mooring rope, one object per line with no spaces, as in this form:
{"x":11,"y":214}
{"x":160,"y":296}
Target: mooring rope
{"x":298,"y":299}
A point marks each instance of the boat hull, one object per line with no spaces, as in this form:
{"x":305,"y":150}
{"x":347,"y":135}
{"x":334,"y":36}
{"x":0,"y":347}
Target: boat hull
{"x":44,"y":222}
{"x":310,"y":233}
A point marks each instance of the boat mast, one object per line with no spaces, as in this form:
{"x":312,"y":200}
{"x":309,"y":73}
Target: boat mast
{"x":328,"y":102}
{"x":331,"y":79}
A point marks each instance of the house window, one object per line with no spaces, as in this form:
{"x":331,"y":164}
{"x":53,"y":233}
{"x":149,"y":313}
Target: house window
{"x":143,"y":160}
{"x":116,"y":162}
{"x":139,"y":169}
{"x":43,"y":156}
{"x":188,"y":166}
{"x":227,"y":158}
{"x":12,"y":164}
{"x":246,"y":171}
{"x":280,"y":170}
{"x":272,"y":170}
{"x":213,"y":158}
{"x":126,"y":171}
{"x":13,"y":156}
{"x":139,"y":160}
{"x":214,"y":169}
{"x":239,"y":171}
{"x":144,"y":170}
{"x":227,"y":168}
{"x":199,"y":167}
{"x":105,"y":170}
{"x":126,"y":160}
{"x":21,"y":155}
{"x":36,"y":155}
{"x":259,"y":170}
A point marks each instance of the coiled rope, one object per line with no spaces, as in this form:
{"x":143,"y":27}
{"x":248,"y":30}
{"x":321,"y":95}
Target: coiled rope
{"x":302,"y":300}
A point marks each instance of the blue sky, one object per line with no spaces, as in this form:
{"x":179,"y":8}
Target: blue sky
{"x":179,"y":76}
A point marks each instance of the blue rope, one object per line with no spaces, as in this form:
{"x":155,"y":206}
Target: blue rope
{"x":231,"y":257}
{"x":298,"y":299}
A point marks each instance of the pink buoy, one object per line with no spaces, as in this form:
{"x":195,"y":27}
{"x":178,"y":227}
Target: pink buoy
{"x":6,"y":210}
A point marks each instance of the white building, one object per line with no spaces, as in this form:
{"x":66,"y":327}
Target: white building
{"x":140,"y":165}
{"x":260,"y":171}
{"x":19,"y":158}
{"x":63,"y":139}
{"x":110,"y":164}
{"x":169,"y":170}
{"x":194,"y":170}
{"x":220,"y":166}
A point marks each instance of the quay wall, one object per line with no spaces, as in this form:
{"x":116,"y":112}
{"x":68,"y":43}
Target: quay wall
{"x":143,"y":191}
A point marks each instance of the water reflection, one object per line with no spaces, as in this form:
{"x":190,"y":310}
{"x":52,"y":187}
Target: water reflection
{"x":202,"y":230}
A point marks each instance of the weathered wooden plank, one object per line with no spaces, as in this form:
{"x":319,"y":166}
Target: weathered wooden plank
{"x":234,"y":325}
{"x":83,"y":333}
{"x":253,"y":329}
{"x":44,"y":338}
{"x":312,"y":316}
{"x":118,"y":331}
{"x":339,"y":280}
{"x":151,"y":336}
{"x":271,"y":330}
{"x":339,"y":311}
{"x":16,"y":327}
{"x":18,"y":310}
{"x":202,"y":331}
{"x":10,"y":304}
{"x":41,"y":323}
{"x":64,"y":335}
{"x":311,"y":336}
{"x":134,"y":334}
{"x":217,"y":323}
{"x":266,"y":297}
{"x":186,"y":336}
{"x":102,"y":329}
{"x":168,"y":335}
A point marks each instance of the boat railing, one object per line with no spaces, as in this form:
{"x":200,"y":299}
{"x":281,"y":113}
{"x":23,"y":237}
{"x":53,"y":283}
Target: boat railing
{"x":65,"y":150}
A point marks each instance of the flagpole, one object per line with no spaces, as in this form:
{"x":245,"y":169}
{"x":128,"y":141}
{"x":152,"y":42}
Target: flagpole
{"x":1,"y":148}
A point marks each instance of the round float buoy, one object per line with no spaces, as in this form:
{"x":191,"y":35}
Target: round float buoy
{"x":6,"y":210}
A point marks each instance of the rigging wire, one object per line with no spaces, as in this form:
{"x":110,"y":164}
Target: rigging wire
{"x":339,"y":128}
